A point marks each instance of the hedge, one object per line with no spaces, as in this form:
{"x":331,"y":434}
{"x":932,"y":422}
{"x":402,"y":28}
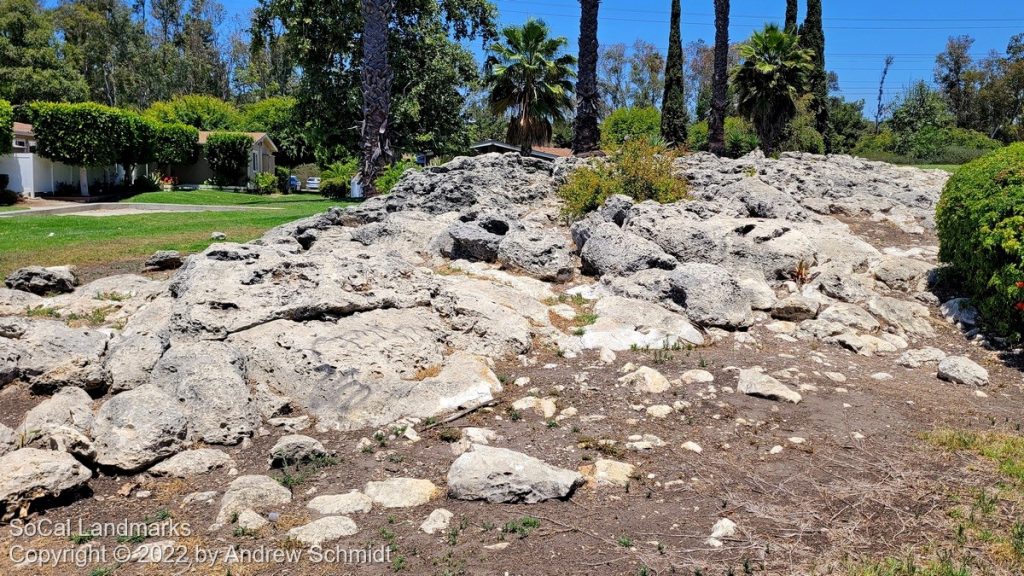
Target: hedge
{"x":78,"y":134}
{"x":175,"y":144}
{"x":6,"y":126}
{"x":228,"y":155}
{"x":980,"y":220}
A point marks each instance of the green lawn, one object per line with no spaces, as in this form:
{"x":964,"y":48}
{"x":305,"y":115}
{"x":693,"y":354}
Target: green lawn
{"x":111,"y":242}
{"x":11,"y":208}
{"x":947,"y":167}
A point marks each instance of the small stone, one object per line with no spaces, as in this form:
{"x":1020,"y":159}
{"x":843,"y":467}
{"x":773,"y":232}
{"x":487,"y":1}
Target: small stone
{"x":218,"y":236}
{"x":697,"y":377}
{"x":343,"y":504}
{"x":881,"y":376}
{"x":324,"y":530}
{"x":857,"y":436}
{"x":659,"y":411}
{"x":295,"y":448}
{"x":775,"y":450}
{"x":692,"y":447}
{"x":607,"y":355}
{"x":401,"y":492}
{"x":521,"y":382}
{"x":797,"y":440}
{"x":755,"y":383}
{"x":614,"y":473}
{"x":918,"y":358}
{"x":980,"y":394}
{"x":438,"y":521}
{"x":250,"y":520}
{"x":724,"y":528}
{"x":796,"y":309}
{"x":835,"y":376}
{"x":646,"y":380}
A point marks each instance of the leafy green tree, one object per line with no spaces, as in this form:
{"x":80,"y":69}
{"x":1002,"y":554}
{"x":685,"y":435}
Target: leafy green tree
{"x":278,"y":118}
{"x":920,"y":108}
{"x":812,"y":37}
{"x":586,"y":134}
{"x":613,"y":77}
{"x":83,"y":135}
{"x":846,"y":124}
{"x":228,"y":155}
{"x":770,"y":82}
{"x":204,"y":112}
{"x":957,"y":79}
{"x":674,"y":115}
{"x":1001,"y":95}
{"x":646,"y":75}
{"x":324,"y":36}
{"x":175,"y":144}
{"x":720,"y":80}
{"x":531,"y":78}
{"x":627,"y":124}
{"x":6,"y":127}
{"x":32,"y":65}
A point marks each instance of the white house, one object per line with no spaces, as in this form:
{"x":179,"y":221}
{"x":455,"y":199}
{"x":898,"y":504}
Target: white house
{"x":30,"y":174}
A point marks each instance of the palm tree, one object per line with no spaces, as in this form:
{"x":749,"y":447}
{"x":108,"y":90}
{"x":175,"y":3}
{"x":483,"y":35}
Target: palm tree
{"x":720,"y":80}
{"x":376,"y":79}
{"x":530,"y":78}
{"x":586,"y":134}
{"x":770,"y":81}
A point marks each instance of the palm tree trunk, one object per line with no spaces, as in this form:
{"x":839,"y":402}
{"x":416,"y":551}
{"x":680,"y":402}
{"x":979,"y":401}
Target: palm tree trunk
{"x":376,"y":79}
{"x":586,"y":134}
{"x":720,"y":87}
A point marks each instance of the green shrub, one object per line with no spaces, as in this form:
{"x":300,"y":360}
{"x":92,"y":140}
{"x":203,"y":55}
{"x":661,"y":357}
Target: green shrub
{"x":228,"y":155}
{"x":341,"y":170}
{"x":283,"y":175}
{"x":335,"y":188}
{"x":980,"y":220}
{"x":802,"y":136}
{"x":6,"y":127}
{"x":638,"y":169}
{"x":264,"y":183}
{"x":393,"y":174}
{"x":740,"y":138}
{"x":927,"y":145}
{"x":630,"y":123}
{"x":202,"y":112}
{"x":175,"y":144}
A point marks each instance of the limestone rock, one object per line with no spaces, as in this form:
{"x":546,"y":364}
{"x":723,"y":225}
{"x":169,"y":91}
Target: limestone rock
{"x":138,"y":428}
{"x":401,"y":492}
{"x":192,"y":463}
{"x":610,"y":250}
{"x":612,"y":472}
{"x":962,"y":370}
{"x":438,"y":521}
{"x":294,"y":448}
{"x":251,"y":492}
{"x":324,"y":530}
{"x":43,"y":281}
{"x":646,"y":380}
{"x":28,"y":474}
{"x":920,"y":357}
{"x":501,"y":475}
{"x":753,"y":382}
{"x":795,"y":309}
{"x":350,"y":503}
{"x":163,"y":260}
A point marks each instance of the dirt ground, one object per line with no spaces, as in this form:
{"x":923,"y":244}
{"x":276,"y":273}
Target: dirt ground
{"x":863,"y":493}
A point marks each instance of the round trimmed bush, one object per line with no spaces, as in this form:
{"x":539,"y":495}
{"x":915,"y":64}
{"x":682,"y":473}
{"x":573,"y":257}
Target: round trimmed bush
{"x":980,"y":220}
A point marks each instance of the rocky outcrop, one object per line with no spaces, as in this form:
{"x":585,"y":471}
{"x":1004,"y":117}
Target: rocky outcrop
{"x":43,"y":281}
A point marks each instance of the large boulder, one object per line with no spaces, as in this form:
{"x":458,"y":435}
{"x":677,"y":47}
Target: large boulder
{"x":962,"y":370}
{"x":207,"y":379}
{"x":253,"y":492}
{"x":28,"y":474}
{"x":43,"y":281}
{"x":50,"y":355}
{"x":610,"y":250}
{"x":63,"y":422}
{"x":538,"y":252}
{"x":501,"y":475}
{"x":138,"y":428}
{"x":710,"y":295}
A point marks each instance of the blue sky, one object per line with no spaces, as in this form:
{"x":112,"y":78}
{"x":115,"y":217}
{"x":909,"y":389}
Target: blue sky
{"x":859,"y":33}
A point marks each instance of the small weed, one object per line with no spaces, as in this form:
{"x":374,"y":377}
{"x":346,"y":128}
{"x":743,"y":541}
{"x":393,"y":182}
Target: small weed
{"x":552,"y":424}
{"x":81,"y":538}
{"x":521,"y":527}
{"x":395,"y":458}
{"x":625,"y":542}
{"x":450,"y":434}
{"x":586,"y":319}
{"x":303,"y":471}
{"x":398,"y":564}
{"x":159,"y":516}
{"x":429,"y":421}
{"x":42,"y":312}
{"x":487,"y":526}
{"x":135,"y":538}
{"x":105,"y":571}
{"x":241,"y":532}
{"x":514,"y":415}
{"x":112,"y":296}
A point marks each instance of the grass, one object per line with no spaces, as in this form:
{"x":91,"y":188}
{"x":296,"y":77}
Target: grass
{"x":1005,"y":449}
{"x":14,"y":208}
{"x":947,"y":167}
{"x":97,"y":241}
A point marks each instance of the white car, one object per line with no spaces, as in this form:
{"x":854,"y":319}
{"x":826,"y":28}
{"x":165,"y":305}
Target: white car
{"x":313,"y":183}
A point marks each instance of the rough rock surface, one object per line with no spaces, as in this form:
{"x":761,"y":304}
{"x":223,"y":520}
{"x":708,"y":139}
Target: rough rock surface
{"x":28,"y":474}
{"x":961,"y":370}
{"x":251,"y":492}
{"x":501,"y":475}
{"x":164,"y":260}
{"x":192,"y":463}
{"x":42,"y":281}
{"x":138,"y":428}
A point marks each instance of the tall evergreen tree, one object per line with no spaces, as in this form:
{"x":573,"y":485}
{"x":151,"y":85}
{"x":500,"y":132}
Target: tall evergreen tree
{"x":376,"y":79}
{"x":812,"y":37}
{"x":792,"y":13}
{"x":32,"y":61}
{"x":586,"y":133}
{"x":720,"y":81}
{"x":674,"y":116}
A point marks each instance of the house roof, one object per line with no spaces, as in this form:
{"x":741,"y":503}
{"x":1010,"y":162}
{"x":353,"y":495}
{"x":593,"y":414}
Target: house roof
{"x":22,"y":129}
{"x":256,"y":137}
{"x":543,"y":152}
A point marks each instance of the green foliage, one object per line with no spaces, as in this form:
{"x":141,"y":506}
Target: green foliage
{"x":78,"y":134}
{"x":8,"y":197}
{"x":740,"y":138}
{"x":32,"y":66}
{"x":921,"y":108}
{"x":530,"y":75}
{"x":929,"y":145}
{"x":770,"y":81}
{"x":6,"y":127}
{"x":676,"y":116}
{"x":980,"y":221}
{"x":812,"y":39}
{"x":264,"y":183}
{"x":801,"y":135}
{"x":280,"y":120}
{"x":175,"y":144}
{"x":283,"y":176}
{"x":629,"y":124}
{"x":203,"y":112}
{"x":393,"y":174}
{"x":343,"y":170}
{"x":846,"y":124}
{"x":638,"y":169}
{"x":228,"y":155}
